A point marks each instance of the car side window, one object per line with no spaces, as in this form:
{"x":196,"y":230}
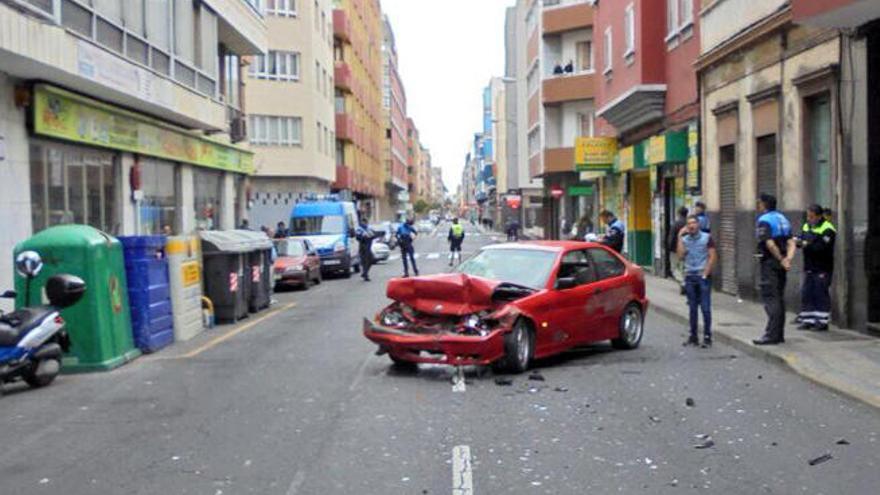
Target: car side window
{"x":607,"y":265}
{"x":577,"y":265}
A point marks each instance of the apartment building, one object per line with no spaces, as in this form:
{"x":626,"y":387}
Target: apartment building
{"x":292,"y":124}
{"x":122,"y":115}
{"x":395,"y":201}
{"x":360,"y":131}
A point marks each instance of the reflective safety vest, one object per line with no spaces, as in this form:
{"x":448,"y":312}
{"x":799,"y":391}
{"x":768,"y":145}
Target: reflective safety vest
{"x":820,"y":229}
{"x":457,"y":230}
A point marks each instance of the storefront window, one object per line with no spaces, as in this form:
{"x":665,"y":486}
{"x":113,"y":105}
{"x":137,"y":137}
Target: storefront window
{"x":208,"y":186}
{"x":159,"y":206}
{"x":72,"y":185}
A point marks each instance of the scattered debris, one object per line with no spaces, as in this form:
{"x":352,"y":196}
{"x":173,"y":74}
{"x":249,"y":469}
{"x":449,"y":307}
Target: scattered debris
{"x":760,"y":377}
{"x":536,"y":377}
{"x":774,"y":444}
{"x":843,"y":441}
{"x":503,"y":381}
{"x":44,"y":481}
{"x":654,"y":419}
{"x":820,"y":459}
{"x":561,"y":389}
{"x":689,"y":402}
{"x":706,"y":444}
{"x":631,"y":372}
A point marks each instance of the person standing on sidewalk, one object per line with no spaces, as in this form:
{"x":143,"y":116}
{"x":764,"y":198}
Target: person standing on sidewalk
{"x":455,"y":238}
{"x":817,"y":241}
{"x":697,"y":250}
{"x":406,"y":234}
{"x":700,"y":212}
{"x":776,"y":248}
{"x":677,"y":268}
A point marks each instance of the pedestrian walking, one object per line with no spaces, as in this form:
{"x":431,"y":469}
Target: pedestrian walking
{"x":406,"y":234}
{"x":677,"y":264}
{"x":365,"y":235}
{"x":700,"y":212}
{"x":817,"y":242}
{"x":615,"y":231}
{"x":455,"y":238}
{"x":776,"y":247}
{"x":697,"y":250}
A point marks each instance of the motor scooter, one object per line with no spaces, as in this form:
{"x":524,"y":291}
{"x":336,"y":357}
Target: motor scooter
{"x":33,"y":338}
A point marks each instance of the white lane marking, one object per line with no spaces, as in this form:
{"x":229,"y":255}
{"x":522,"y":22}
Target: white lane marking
{"x":432,"y":256}
{"x":394,"y":257}
{"x":458,"y":381}
{"x":297,"y":482}
{"x":462,"y":477}
{"x":417,"y":256}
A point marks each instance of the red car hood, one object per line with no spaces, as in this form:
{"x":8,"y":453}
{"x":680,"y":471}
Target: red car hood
{"x":447,"y":294}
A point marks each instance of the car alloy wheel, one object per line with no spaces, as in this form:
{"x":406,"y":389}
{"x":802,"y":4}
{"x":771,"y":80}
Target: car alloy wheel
{"x":523,"y":346}
{"x":632,"y":327}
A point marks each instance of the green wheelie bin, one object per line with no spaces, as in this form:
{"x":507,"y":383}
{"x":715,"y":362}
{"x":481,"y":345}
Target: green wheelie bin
{"x":100,"y":324}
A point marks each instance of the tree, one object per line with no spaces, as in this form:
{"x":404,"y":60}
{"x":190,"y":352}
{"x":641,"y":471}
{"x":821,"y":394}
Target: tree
{"x":421,"y":206}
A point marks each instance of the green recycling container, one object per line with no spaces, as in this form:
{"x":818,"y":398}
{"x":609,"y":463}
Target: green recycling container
{"x":100,"y":324}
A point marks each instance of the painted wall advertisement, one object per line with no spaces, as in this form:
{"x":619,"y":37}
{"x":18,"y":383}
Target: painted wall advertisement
{"x":64,"y":115}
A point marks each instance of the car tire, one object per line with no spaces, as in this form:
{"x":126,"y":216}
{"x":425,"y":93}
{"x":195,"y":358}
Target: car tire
{"x":307,"y":282}
{"x":319,"y":278}
{"x":631,"y":327}
{"x":519,"y":348}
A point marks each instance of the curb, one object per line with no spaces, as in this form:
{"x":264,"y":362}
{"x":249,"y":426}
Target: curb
{"x":789,"y":363}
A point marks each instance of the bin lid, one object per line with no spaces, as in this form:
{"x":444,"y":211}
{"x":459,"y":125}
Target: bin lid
{"x":68,"y":236}
{"x":142,"y":241}
{"x":255,"y":240}
{"x":223,"y":240}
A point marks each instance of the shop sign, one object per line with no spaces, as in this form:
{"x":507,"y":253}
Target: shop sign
{"x":64,"y":115}
{"x":585,"y":176}
{"x":594,"y":153}
{"x":631,"y":158}
{"x":190,"y":273}
{"x":693,"y":163}
{"x":671,"y":147}
{"x":656,"y":150}
{"x":584,"y":190}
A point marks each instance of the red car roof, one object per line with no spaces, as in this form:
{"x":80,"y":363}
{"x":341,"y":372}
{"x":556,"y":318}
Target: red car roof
{"x":545,"y":245}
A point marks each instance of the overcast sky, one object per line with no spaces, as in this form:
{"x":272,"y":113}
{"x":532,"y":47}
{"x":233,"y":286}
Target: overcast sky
{"x":448,"y":50}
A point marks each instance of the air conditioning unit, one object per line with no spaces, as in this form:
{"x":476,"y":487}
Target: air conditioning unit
{"x":238,"y":129}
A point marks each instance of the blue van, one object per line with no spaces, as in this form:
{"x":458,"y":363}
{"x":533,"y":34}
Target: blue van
{"x":330,"y":227}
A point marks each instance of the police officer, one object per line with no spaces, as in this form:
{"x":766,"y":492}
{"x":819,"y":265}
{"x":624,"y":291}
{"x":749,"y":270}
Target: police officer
{"x":700,"y":212}
{"x":406,"y":234}
{"x":817,"y":241}
{"x":365,"y":236}
{"x":455,"y":238}
{"x":776,"y":248}
{"x":615,"y":231}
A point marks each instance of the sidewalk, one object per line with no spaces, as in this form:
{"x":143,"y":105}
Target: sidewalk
{"x":842,"y":360}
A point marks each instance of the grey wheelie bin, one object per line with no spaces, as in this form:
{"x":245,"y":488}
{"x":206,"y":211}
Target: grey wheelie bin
{"x":225,"y":274}
{"x":259,"y":265}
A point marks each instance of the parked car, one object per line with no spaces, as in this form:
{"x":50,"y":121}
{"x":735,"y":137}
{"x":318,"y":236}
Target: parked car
{"x":386,"y":232}
{"x":511,"y":304}
{"x":381,"y":251}
{"x":424,"y":226}
{"x":297,"y":265}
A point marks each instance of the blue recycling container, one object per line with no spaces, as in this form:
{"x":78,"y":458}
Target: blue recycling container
{"x":149,"y":291}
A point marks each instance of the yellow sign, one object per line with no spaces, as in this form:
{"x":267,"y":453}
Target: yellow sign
{"x":656,"y":150}
{"x":627,"y":159}
{"x":65,"y":115}
{"x":190,"y":273}
{"x":594,"y":153}
{"x":693,"y":163}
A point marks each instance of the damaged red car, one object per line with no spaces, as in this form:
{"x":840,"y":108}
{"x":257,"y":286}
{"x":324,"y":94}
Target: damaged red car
{"x":513,"y":303}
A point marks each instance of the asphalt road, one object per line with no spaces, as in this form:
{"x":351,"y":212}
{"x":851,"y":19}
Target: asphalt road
{"x":296,"y":403}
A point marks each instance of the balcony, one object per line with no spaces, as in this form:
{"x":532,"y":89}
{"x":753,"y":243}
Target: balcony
{"x":567,"y":18}
{"x":535,"y":166}
{"x":342,"y":76}
{"x":341,"y":25}
{"x":558,"y":160}
{"x":343,"y":177}
{"x":241,"y":26}
{"x":641,"y":105}
{"x":559,"y":89}
{"x":345,"y":128}
{"x":835,"y":13}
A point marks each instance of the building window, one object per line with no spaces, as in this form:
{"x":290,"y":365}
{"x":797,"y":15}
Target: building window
{"x":72,"y":185}
{"x":629,"y":30}
{"x":319,"y":137}
{"x":277,"y":65}
{"x":158,"y":208}
{"x":275,"y":131}
{"x":532,"y":80}
{"x":535,"y":141}
{"x":340,"y":102}
{"x":671,"y":18}
{"x":208,"y":189}
{"x":281,"y":7}
{"x":819,"y":139}
{"x":687,"y":13}
{"x":317,"y":16}
{"x":585,"y":124}
{"x":584,"y":53}
{"x":230,"y":65}
{"x":608,"y":51}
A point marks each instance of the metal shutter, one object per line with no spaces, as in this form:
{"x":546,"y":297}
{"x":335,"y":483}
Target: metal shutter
{"x":767,"y":164}
{"x":727,"y":217}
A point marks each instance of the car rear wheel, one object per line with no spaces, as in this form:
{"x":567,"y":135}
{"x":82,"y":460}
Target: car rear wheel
{"x":519,"y":348}
{"x":318,"y":278}
{"x":632,"y":327}
{"x":307,"y":282}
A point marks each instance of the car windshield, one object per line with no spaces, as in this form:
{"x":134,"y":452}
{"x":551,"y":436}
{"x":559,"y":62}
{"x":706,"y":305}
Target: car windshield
{"x":317,"y":225}
{"x":290,"y":248}
{"x":528,"y":267}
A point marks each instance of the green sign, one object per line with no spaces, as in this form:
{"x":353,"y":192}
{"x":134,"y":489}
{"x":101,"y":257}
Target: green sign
{"x":671,"y":147}
{"x":65,"y":115}
{"x":585,"y":190}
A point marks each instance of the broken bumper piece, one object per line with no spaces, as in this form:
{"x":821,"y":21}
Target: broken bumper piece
{"x":437,"y":348}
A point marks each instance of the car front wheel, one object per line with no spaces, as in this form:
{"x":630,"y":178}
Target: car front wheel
{"x":519,"y":349}
{"x":631,"y":327}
